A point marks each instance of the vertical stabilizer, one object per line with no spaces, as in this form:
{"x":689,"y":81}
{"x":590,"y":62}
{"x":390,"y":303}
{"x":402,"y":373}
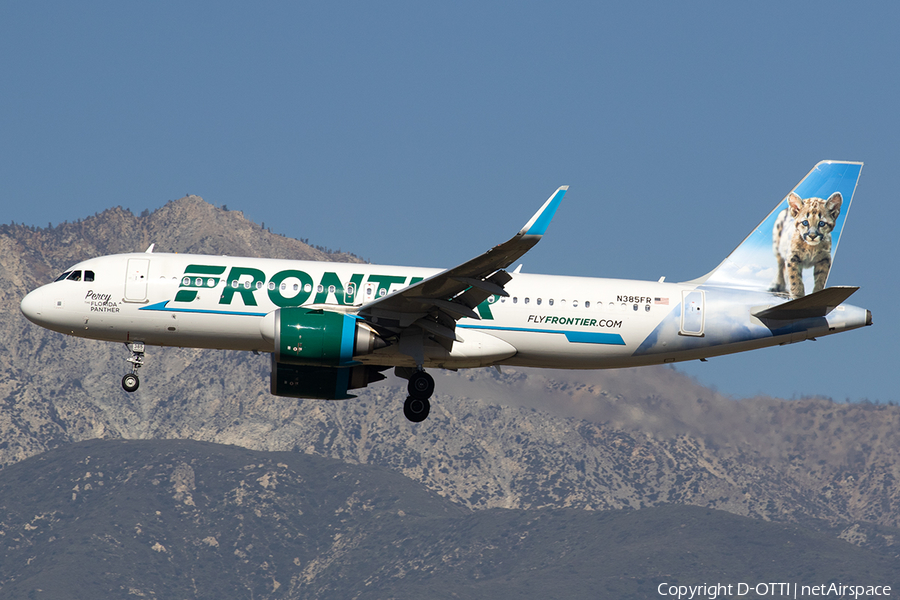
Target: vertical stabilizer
{"x":792,"y":250}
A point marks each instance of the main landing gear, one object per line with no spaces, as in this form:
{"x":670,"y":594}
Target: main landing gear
{"x":420,"y":388}
{"x":131,"y":381}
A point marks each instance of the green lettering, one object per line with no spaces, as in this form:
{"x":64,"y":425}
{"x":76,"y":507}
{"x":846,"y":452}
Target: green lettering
{"x":385,"y":282}
{"x":233,"y":285}
{"x":186,"y":296}
{"x":342,"y":295}
{"x":330,"y":279}
{"x":484,"y":309}
{"x":278,"y":299}
{"x":351,"y":292}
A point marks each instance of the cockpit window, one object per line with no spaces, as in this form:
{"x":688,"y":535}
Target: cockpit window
{"x":76,"y":276}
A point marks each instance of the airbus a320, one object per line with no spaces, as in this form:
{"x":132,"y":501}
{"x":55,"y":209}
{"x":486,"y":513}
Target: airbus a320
{"x":331,"y":327}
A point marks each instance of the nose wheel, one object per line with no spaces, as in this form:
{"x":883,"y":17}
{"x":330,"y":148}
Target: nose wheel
{"x":131,"y":382}
{"x":417,"y":404}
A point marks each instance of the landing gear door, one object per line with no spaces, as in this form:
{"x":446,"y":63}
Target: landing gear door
{"x":692,"y":312}
{"x":136,"y":279}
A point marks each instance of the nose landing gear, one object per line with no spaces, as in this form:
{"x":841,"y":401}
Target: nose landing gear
{"x":131,"y":382}
{"x":420,"y":388}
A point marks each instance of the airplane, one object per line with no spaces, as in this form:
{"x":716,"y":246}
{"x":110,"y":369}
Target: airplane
{"x":335,"y":327}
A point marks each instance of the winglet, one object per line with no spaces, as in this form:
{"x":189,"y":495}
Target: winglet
{"x":538,"y":224}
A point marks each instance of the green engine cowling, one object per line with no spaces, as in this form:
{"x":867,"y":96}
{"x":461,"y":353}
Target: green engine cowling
{"x":304,"y":336}
{"x":323,"y":383}
{"x":313,"y":353}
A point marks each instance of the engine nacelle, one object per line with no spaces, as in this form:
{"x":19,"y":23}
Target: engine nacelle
{"x":303,"y":336}
{"x":324,"y":383}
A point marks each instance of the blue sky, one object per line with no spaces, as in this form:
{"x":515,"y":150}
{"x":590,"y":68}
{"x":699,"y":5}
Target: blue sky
{"x":424,"y":133}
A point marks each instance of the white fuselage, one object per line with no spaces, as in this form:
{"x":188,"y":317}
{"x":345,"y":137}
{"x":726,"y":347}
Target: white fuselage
{"x":546,"y":321}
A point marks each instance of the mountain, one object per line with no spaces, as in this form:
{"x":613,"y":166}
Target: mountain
{"x":185,"y":519}
{"x":520,"y":439}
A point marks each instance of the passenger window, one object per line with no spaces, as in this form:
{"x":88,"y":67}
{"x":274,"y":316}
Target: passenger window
{"x":526,"y":300}
{"x":75,"y":276}
{"x":515,"y":299}
{"x":574,"y":303}
{"x":587,"y":303}
{"x":502,"y":298}
{"x":63,"y":276}
{"x":647,"y":307}
{"x":550,"y":301}
{"x":635,"y":307}
{"x":88,"y":275}
{"x":538,"y":301}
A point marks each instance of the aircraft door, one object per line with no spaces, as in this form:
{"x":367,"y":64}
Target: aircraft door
{"x":136,"y":279}
{"x":692,"y":313}
{"x":371,"y":288}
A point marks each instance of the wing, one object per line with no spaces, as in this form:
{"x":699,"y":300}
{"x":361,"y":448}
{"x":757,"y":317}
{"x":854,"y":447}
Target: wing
{"x":435,"y":304}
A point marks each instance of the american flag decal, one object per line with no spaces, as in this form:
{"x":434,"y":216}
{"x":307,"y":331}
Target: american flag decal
{"x":661,"y":301}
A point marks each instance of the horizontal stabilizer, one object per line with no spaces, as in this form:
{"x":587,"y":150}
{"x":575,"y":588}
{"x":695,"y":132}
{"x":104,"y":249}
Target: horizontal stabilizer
{"x":818,"y":304}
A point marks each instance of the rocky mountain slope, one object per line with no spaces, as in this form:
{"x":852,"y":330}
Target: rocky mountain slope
{"x":521,"y":439}
{"x":184,"y":519}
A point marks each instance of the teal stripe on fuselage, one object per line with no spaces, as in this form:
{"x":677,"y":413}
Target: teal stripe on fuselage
{"x":575,"y":337}
{"x":161,"y":306}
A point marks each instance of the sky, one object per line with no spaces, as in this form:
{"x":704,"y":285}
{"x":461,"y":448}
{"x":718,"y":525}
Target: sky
{"x":425,"y":133}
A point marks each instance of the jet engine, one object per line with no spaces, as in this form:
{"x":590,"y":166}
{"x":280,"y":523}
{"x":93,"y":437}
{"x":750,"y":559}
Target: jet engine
{"x":313,"y":353}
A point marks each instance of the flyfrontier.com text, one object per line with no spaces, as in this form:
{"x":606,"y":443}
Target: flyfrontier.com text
{"x":774,"y":590}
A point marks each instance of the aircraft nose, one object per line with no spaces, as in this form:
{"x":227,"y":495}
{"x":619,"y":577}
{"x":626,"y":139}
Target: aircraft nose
{"x":32,"y":306}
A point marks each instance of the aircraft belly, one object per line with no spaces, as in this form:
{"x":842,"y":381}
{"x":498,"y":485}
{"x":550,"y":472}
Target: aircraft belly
{"x":159,"y":327}
{"x":571,"y":350}
{"x":480,"y":349}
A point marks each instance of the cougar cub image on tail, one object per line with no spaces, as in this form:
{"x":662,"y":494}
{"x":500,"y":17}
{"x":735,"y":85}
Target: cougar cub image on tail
{"x":801,"y":238}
